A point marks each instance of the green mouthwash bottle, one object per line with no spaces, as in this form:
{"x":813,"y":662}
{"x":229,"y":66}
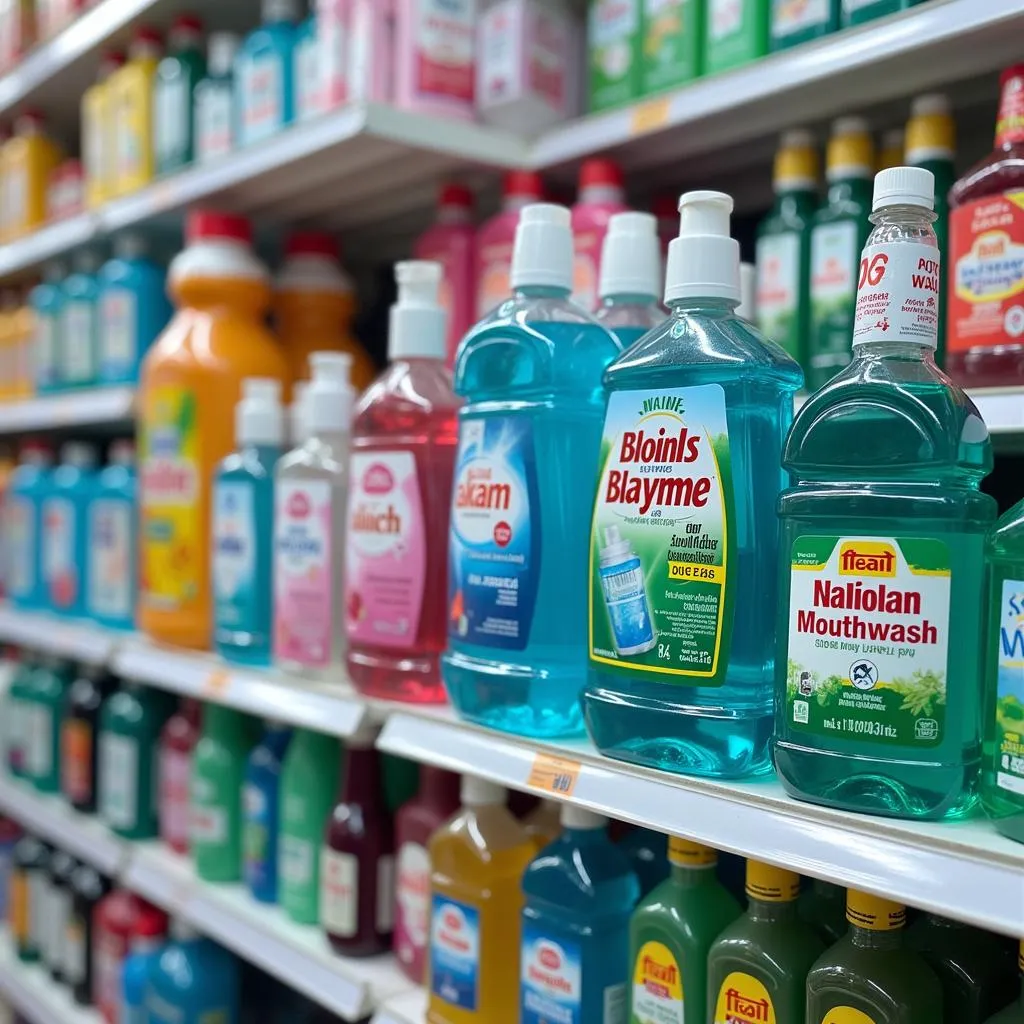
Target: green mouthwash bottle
{"x":882,"y":538}
{"x":870,"y":977}
{"x":757,"y":968}
{"x":1013,"y":1014}
{"x":735,"y":33}
{"x":823,"y":907}
{"x":840,"y":229}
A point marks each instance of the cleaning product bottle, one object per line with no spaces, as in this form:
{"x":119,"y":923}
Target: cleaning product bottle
{"x":870,"y":976}
{"x":30,"y":859}
{"x":672,"y":44}
{"x":193,"y":981}
{"x":147,"y":942}
{"x":112,"y":541}
{"x":784,"y":246}
{"x":98,"y":137}
{"x":213,"y":117}
{"x":29,"y":158}
{"x":735,"y":33}
{"x":190,"y":376}
{"x":15,"y":708}
{"x":131,"y":100}
{"x":631,"y":279}
{"x":79,"y":737}
{"x":310,"y":495}
{"x":178,"y":739}
{"x":823,"y":906}
{"x":46,"y":698}
{"x":173,"y":92}
{"x":671,"y":934}
{"x":615,"y":40}
{"x":512,"y":661}
{"x":647,"y":851}
{"x":450,"y":242}
{"x":792,"y":22}
{"x":243,"y":529}
{"x":62,"y":867}
{"x":1013,"y":1014}
{"x":579,"y":894}
{"x":264,"y":74}
{"x":23,"y":526}
{"x":116,"y":916}
{"x":686,"y":693}
{"x":477,"y":862}
{"x":894,"y":432}
{"x":260,"y":812}
{"x":543,"y":824}
{"x":404,"y":434}
{"x":78,"y":337}
{"x":838,"y":233}
{"x":600,"y":196}
{"x":308,"y":84}
{"x":88,"y":887}
{"x":308,"y":780}
{"x":416,"y":821}
{"x":47,"y":300}
{"x":759,"y":964}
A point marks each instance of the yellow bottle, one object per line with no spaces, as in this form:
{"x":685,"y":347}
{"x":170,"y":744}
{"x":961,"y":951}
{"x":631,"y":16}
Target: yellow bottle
{"x":131,"y":101}
{"x":544,"y":823}
{"x":8,"y":369}
{"x":98,"y":136}
{"x":29,"y":157}
{"x":25,"y":332}
{"x":477,"y":862}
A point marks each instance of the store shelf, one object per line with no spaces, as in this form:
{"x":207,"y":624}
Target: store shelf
{"x":87,"y":408}
{"x":80,"y":642}
{"x":1002,"y":409}
{"x":408,"y":1008}
{"x":30,"y":989}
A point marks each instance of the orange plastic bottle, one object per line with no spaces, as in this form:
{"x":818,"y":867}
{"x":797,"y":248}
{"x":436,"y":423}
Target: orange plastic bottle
{"x":314,"y":303}
{"x":191,"y":381}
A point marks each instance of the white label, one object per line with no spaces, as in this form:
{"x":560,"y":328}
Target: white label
{"x":789,"y":16}
{"x":58,"y":540}
{"x":385,"y":894}
{"x":214,"y":118}
{"x":45,"y":349}
{"x":208,"y":821}
{"x":59,"y":912}
{"x":38,"y":907}
{"x":413,"y":893}
{"x":308,"y":88}
{"x":172,"y":105}
{"x":74,"y":951}
{"x":20,"y":545}
{"x":833,"y":262}
{"x":79,"y":343}
{"x":118,"y":342}
{"x":726,"y":18}
{"x":778,"y":277}
{"x":174,"y":775}
{"x":898,"y":294}
{"x":339,"y":893}
{"x":39,"y":721}
{"x":261,"y":98}
{"x":110,"y":558}
{"x":296,"y":860}
{"x":119,"y":776}
{"x":234,"y":543}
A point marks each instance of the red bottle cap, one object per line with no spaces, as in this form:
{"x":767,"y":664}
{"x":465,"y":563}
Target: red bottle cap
{"x":188,"y":23}
{"x":148,"y":35}
{"x":149,"y":922}
{"x":601,"y":173}
{"x":311,"y":243}
{"x":525,"y":184}
{"x":203,"y":224}
{"x":454,"y":194}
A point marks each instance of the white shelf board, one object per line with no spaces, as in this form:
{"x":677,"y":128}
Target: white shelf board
{"x":408,"y":1008}
{"x":88,"y":407}
{"x":47,"y":242}
{"x":80,"y":642}
{"x":33,"y":993}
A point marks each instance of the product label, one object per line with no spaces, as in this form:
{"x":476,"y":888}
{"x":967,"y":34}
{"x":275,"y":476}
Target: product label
{"x":494,"y":281}
{"x":342,"y":44}
{"x":303,"y":564}
{"x":173,"y":107}
{"x":445,"y":43}
{"x":868,"y":637}
{"x":119,"y":776}
{"x":454,"y":952}
{"x":214,"y":118}
{"x":986,"y":284}
{"x":118,"y":342}
{"x":45,"y":351}
{"x":743,"y":999}
{"x":726,"y":18}
{"x":845,"y":1015}
{"x":79,"y":343}
{"x":174,"y":769}
{"x":171,"y":487}
{"x":60,"y":566}
{"x":657,"y":987}
{"x":18,"y":917}
{"x":19,"y":545}
{"x":412,"y":901}
{"x":57,"y":922}
{"x":261,"y":89}
{"x":659,"y":562}
{"x":130,"y":139}
{"x":111,"y":546}
{"x":835,"y":262}
{"x":256,"y":825}
{"x":38,"y":719}
{"x":1010,"y":688}
{"x":308,"y":86}
{"x":386,"y":550}
{"x":296,"y":861}
{"x":339,"y":893}
{"x":612,"y":28}
{"x":494,"y":540}
{"x":671,"y":43}
{"x":551,"y":979}
{"x":75,"y":954}
{"x":498,"y":69}
{"x":208,"y":816}
{"x":76,"y":760}
{"x":234,"y":556}
{"x":789,"y":16}
{"x":898,"y":294}
{"x":38,"y":908}
{"x":585,"y":268}
{"x":778,"y":289}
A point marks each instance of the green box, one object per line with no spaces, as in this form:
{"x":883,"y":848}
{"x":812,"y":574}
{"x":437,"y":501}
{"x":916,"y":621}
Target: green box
{"x":613,"y":52}
{"x":673,"y":43}
{"x":736,"y":32}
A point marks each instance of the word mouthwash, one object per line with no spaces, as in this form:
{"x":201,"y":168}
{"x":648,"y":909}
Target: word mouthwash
{"x":883,"y":531}
{"x":696,"y":414}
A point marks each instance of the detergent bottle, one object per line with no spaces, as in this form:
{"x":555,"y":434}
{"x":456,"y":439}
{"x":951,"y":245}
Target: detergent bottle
{"x":47,"y":300}
{"x":528,"y":447}
{"x":176,"y":78}
{"x":79,"y":737}
{"x":260,"y":812}
{"x":23,"y":525}
{"x":46,"y":698}
{"x":631,"y":279}
{"x":190,"y":376}
{"x":147,"y":941}
{"x":264,"y":75}
{"x":98,"y":137}
{"x":601,"y":195}
{"x":78,"y":337}
{"x":193,"y":981}
{"x":131,"y":98}
{"x":88,"y":887}
{"x":29,"y":158}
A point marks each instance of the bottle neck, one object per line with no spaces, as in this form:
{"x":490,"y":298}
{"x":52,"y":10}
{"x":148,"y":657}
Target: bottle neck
{"x":684,"y":307}
{"x":901,"y":350}
{"x":360,"y":776}
{"x":612,"y":301}
{"x":542,"y":291}
{"x":844,"y":188}
{"x":865,"y":938}
{"x":771,"y":912}
{"x":692,"y":878}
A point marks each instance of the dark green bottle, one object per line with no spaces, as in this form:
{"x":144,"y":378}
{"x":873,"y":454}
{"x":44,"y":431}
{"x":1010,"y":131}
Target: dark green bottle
{"x":856,"y":12}
{"x":15,"y":708}
{"x":177,"y":76}
{"x":823,"y":905}
{"x":1014,"y":1013}
{"x":44,"y":710}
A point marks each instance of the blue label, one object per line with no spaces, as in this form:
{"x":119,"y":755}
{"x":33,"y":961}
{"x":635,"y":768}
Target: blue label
{"x":625,"y":596}
{"x":234,"y":556}
{"x":551,"y":990}
{"x":494,"y":547}
{"x":454,"y":952}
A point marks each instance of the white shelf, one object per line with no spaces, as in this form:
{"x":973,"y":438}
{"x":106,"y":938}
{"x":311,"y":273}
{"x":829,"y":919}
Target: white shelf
{"x":408,"y":1008}
{"x":34,"y":995}
{"x":80,"y":642}
{"x":1002,"y":409}
{"x":89,"y":407}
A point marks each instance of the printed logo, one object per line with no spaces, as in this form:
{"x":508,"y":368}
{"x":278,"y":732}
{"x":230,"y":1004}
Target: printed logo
{"x":742,"y":999}
{"x":298,"y":505}
{"x":867,"y":558}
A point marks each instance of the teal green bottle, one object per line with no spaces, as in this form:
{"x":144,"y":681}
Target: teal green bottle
{"x":684,"y":522}
{"x":856,"y":12}
{"x":15,"y":708}
{"x":882,"y":574}
{"x":43,"y":711}
{"x":177,"y":76}
{"x":791,"y":24}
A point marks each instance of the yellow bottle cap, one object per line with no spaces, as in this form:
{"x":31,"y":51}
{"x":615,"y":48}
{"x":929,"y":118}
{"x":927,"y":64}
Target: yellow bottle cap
{"x":931,"y":130}
{"x":851,"y":153}
{"x":770,"y":884}
{"x":796,"y":161}
{"x":873,"y":912}
{"x":686,"y":854}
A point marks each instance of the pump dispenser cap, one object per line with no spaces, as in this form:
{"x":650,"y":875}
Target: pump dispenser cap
{"x":329,"y":400}
{"x":476,"y":792}
{"x":79,"y":454}
{"x":573,"y":816}
{"x":298,"y":419}
{"x":748,"y":293}
{"x":543,"y":253}
{"x":223,"y":46}
{"x":631,"y":257}
{"x":703,"y":262}
{"x":258,"y":416}
{"x":904,"y":186}
{"x":418,"y":322}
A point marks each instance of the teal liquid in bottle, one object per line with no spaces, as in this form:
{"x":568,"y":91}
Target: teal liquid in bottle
{"x":684,"y":522}
{"x":30,"y":485}
{"x":112,"y":574}
{"x":877,"y":676}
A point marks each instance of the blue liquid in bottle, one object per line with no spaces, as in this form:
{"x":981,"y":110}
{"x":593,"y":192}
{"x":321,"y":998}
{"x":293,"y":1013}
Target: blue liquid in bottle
{"x":113,"y":578}
{"x":260,"y":807}
{"x":525,"y":475}
{"x":192,"y":982}
{"x":265,"y":76}
{"x":47,"y":301}
{"x":30,"y":484}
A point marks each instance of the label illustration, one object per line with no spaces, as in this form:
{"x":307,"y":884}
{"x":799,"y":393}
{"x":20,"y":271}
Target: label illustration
{"x":339,"y":889}
{"x":454,"y":952}
{"x":898,"y":294}
{"x":1010,"y":688}
{"x":778,"y":289}
{"x":743,"y":1000}
{"x":657,"y":987}
{"x":551,"y":979}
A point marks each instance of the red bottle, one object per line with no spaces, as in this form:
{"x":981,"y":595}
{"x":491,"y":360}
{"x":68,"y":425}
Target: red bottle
{"x":357,"y":875}
{"x":404,"y":436}
{"x":985,"y":314}
{"x":177,"y":741}
{"x":416,"y":821}
{"x":116,"y":918}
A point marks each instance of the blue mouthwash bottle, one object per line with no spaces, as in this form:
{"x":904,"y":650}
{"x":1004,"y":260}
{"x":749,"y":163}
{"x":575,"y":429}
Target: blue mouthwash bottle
{"x":260,"y":806}
{"x":243,"y":526}
{"x":579,"y":892}
{"x":264,"y":75}
{"x":632,"y":278}
{"x":110,"y":599}
{"x":524,"y":476}
{"x":30,"y":484}
{"x":681,"y":656}
{"x":882,"y":571}
{"x":78,"y":337}
{"x":47,"y":300}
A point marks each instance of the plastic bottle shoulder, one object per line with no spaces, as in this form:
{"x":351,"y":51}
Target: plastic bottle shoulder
{"x":1006,"y":541}
{"x":410,"y":392}
{"x":590,"y":868}
{"x":997,"y":172}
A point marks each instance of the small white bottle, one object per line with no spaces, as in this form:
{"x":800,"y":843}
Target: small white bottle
{"x":310,"y":499}
{"x":632,"y":278}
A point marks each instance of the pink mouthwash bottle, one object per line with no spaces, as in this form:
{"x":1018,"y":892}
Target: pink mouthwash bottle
{"x":600,"y":196}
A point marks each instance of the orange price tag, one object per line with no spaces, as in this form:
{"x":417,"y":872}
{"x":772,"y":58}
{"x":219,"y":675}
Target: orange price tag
{"x":554,"y":774}
{"x":217,"y":682}
{"x":651,"y":115}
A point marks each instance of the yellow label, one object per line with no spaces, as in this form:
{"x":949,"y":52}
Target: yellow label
{"x":696,"y":571}
{"x":743,"y":1000}
{"x":873,"y":912}
{"x":686,"y":854}
{"x":867,"y":558}
{"x":556,"y":775}
{"x":657,"y":986}
{"x":217,"y":683}
{"x":770,"y":884}
{"x":19,"y":912}
{"x":845,"y":1015}
{"x":171,"y":498}
{"x":650,"y":115}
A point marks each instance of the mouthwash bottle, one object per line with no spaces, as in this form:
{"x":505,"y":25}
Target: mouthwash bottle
{"x":823,"y":906}
{"x":112,"y":572}
{"x":684,"y":522}
{"x":78,"y":337}
{"x":173,"y":87}
{"x":213,"y":111}
{"x":23,"y":526}
{"x":870,"y":976}
{"x":784,"y":246}
{"x":1013,"y":1014}
{"x":670,"y":937}
{"x":261,"y":801}
{"x":65,"y":529}
{"x":647,"y":851}
{"x":882,"y":536}
{"x":264,"y":75}
{"x":838,"y":234}
{"x":525,"y":471}
{"x":580,"y":892}
{"x":757,"y":967}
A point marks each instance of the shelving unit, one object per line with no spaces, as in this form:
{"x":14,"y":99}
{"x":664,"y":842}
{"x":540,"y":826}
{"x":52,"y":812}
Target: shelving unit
{"x":33,"y":993}
{"x":90,"y":407}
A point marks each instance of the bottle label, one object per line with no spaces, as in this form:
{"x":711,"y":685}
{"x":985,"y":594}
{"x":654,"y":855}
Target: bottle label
{"x":986,"y":283}
{"x":303,"y":567}
{"x":173,"y":107}
{"x":385,"y":907}
{"x":1010,"y":688}
{"x":494,"y":542}
{"x":743,"y":999}
{"x":454,"y":952}
{"x":308,"y":85}
{"x":585,"y":268}
{"x":256,"y":824}
{"x":172,"y":484}
{"x":175,"y":772}
{"x":338,"y":51}
{"x":76,"y":760}
{"x":208,"y":815}
{"x":846,"y":1015}
{"x":868,"y":636}
{"x":412,"y":899}
{"x":261,"y":89}
{"x":79,"y":343}
{"x":111,"y":547}
{"x":60,"y":566}
{"x":339,"y":893}
{"x":612,"y":30}
{"x":45,"y":350}
{"x":551,"y":979}
{"x":214,"y":117}
{"x":726,"y":18}
{"x":444,"y":60}
{"x":119,"y":780}
{"x":494,"y":280}
{"x":386,"y":550}
{"x":789,"y":16}
{"x":118,"y":341}
{"x":657,"y":987}
{"x":20,"y":546}
{"x":662,"y":515}
{"x":234,"y":556}
{"x":898,"y":294}
{"x":296,"y":861}
{"x":74,"y":950}
{"x":778,"y":289}
{"x":39,"y":719}
{"x":835,"y":261}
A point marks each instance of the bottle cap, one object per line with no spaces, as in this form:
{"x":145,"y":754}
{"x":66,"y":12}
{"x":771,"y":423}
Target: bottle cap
{"x":873,"y":912}
{"x":543,"y":252}
{"x":684,"y":853}
{"x":748,"y":293}
{"x":904,"y":186}
{"x":218,"y":245}
{"x":476,"y":792}
{"x":298,"y":421}
{"x":312,"y":243}
{"x":203,"y":225}
{"x":146,"y":42}
{"x":222,"y":49}
{"x":418,"y":322}
{"x":328,"y":402}
{"x":631,"y":257}
{"x":311,"y":265}
{"x":79,"y":454}
{"x":523,"y":185}
{"x":851,"y":153}
{"x":703,"y":262}
{"x":130,"y":245}
{"x":796,"y":161}
{"x":600,"y":176}
{"x":770,"y":884}
{"x":186,"y":26}
{"x":931,"y":130}
{"x":574,"y":816}
{"x":455,"y":194}
{"x":258,"y":416}
{"x":36,"y":453}
{"x":280,"y":10}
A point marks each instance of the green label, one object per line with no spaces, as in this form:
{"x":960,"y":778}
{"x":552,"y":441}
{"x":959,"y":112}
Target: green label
{"x":868,"y":639}
{"x":613,"y":30}
{"x":660,"y":558}
{"x":671,"y":42}
{"x":835,"y":259}
{"x":778,"y":289}
{"x":1010,"y":688}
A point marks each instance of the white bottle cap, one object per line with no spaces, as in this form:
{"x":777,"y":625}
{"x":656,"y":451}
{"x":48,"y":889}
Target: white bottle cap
{"x":79,"y":454}
{"x":748,"y":292}
{"x":477,"y":792}
{"x":930,"y":104}
{"x":573,"y":816}
{"x":631,"y":257}
{"x":703,"y":262}
{"x":543,"y":253}
{"x":904,"y":186}
{"x":615,"y":545}
{"x":298,"y":421}
{"x":418,"y":323}
{"x":280,"y":10}
{"x":258,"y":416}
{"x":329,"y":399}
{"x":797,"y":138}
{"x":223,"y":47}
